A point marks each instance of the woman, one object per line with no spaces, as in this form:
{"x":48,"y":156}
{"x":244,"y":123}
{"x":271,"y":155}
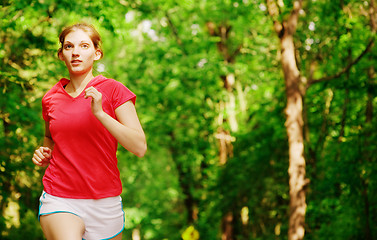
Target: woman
{"x":85,"y":118}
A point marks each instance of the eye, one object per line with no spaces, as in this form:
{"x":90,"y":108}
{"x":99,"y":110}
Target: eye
{"x":68,"y":46}
{"x":85,"y":45}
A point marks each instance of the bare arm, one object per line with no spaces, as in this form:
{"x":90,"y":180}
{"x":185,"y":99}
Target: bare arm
{"x":127,"y":131}
{"x":47,"y":141}
{"x":42,"y":155}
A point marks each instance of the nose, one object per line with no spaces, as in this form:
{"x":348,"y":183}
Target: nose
{"x":75,"y":51}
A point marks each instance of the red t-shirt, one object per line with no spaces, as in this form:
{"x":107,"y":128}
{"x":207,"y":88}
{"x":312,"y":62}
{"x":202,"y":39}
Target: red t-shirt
{"x":84,"y":162}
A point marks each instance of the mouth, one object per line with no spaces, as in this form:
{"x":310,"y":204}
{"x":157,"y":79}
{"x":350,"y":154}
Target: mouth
{"x":76,"y":62}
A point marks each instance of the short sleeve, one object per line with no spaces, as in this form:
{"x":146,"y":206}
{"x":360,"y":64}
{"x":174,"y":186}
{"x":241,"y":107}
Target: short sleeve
{"x":121,"y":94}
{"x":45,"y":114}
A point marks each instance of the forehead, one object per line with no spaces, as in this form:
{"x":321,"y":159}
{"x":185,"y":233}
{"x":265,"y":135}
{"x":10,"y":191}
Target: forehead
{"x":77,"y":36}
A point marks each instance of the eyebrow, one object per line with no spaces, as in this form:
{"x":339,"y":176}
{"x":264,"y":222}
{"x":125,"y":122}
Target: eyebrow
{"x":83,"y":41}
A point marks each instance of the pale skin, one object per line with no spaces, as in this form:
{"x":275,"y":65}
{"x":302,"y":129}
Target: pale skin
{"x":79,"y":54}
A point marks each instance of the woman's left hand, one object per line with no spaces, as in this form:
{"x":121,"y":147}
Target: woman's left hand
{"x":96,"y":100}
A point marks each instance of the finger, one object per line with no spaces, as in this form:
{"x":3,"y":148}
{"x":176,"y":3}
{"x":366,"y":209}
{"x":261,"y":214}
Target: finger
{"x":39,"y":154}
{"x":87,"y":94}
{"x":36,"y":160}
{"x":43,"y":156}
{"x":47,"y":151}
{"x":90,"y":93}
{"x":87,"y":91}
{"x":91,"y":89}
{"x":94,"y":96}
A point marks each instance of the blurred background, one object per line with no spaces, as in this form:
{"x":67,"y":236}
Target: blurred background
{"x":231,"y":94}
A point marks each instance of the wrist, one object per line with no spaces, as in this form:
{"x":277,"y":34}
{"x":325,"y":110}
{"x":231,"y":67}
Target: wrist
{"x":99,"y":115}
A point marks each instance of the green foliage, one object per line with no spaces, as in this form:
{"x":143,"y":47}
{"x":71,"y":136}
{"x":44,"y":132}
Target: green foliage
{"x":164,"y":52}
{"x":29,"y":228}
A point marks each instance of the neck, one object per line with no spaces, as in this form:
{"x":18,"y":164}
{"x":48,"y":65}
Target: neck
{"x":80,"y":80}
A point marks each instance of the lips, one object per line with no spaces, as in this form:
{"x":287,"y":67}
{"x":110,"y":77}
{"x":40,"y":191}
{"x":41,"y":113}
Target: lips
{"x":76,"y":62}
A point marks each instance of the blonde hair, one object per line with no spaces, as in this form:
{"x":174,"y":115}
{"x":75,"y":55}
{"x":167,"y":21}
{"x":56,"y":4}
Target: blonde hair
{"x":88,"y":28}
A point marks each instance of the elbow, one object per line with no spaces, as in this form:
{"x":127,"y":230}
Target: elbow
{"x":141,"y":151}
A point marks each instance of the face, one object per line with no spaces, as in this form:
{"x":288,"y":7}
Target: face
{"x":79,"y":53}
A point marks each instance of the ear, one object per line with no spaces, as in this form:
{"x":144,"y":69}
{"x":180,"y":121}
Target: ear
{"x":98,"y":55}
{"x":60,"y":54}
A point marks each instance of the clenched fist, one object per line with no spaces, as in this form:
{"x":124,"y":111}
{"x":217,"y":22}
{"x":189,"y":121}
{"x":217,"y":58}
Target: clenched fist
{"x":42,"y":156}
{"x":96,"y":100}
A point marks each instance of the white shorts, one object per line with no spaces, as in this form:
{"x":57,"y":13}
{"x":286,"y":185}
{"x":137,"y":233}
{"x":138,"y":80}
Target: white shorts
{"x":103,"y":218}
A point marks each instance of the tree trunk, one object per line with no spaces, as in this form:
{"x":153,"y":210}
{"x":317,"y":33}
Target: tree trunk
{"x":227,"y":227}
{"x":294,"y":118}
{"x":294,"y":126}
{"x":295,"y":90}
{"x":224,"y":136}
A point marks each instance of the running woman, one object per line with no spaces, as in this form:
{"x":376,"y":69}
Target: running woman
{"x":85,"y":119}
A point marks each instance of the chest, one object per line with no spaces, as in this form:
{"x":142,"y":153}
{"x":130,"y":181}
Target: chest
{"x":69,"y":114}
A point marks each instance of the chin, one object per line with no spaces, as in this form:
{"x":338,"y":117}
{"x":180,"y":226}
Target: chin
{"x":79,"y":71}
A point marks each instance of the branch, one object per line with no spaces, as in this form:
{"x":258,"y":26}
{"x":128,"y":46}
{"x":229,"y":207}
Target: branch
{"x":235,"y":53}
{"x":293,"y":18}
{"x":273,"y":11}
{"x":175,"y":33}
{"x":346,"y":68}
{"x":373,"y":16}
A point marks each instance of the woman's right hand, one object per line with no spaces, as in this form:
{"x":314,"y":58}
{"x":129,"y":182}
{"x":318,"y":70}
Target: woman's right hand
{"x":42,"y":156}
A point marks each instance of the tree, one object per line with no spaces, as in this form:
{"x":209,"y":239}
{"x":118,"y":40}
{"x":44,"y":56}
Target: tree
{"x":213,"y":103}
{"x":296,"y":86}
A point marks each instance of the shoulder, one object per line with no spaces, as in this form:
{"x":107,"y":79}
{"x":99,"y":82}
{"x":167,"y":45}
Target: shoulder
{"x":115,"y":91}
{"x":48,"y":95}
{"x":108,"y":82}
{"x":109,"y":85}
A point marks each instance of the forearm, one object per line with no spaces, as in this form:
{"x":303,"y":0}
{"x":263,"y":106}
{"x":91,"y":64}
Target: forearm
{"x":131,"y":139}
{"x":42,"y":155}
{"x":48,"y":142}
